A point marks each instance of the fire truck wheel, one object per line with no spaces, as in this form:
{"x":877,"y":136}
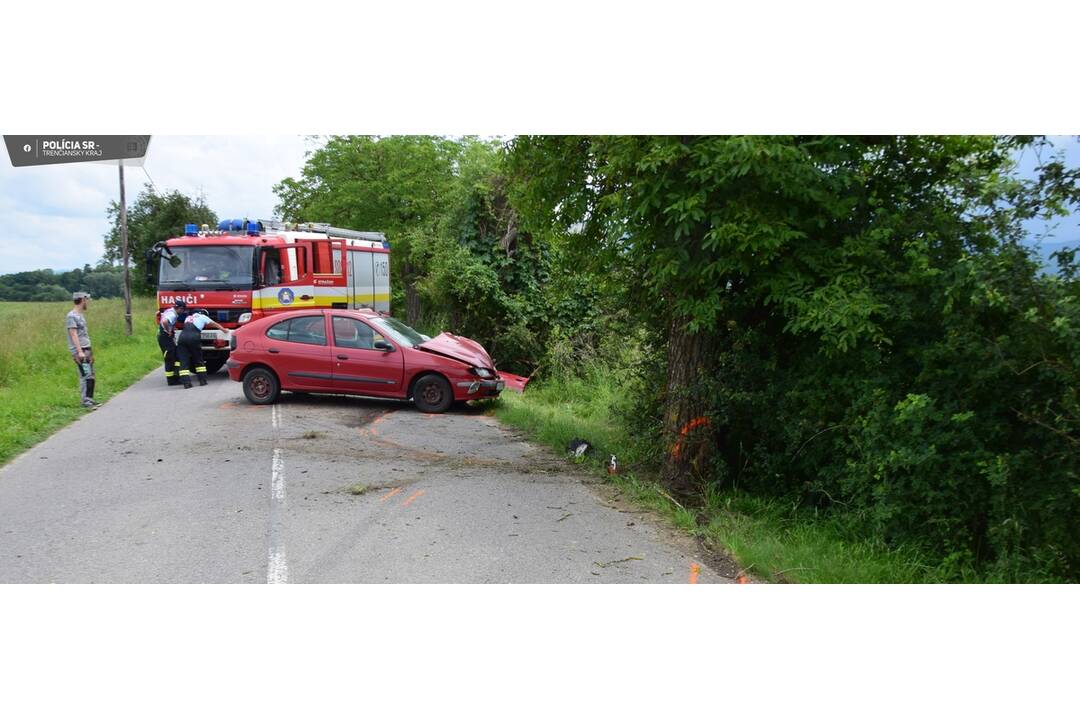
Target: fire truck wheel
{"x":432,"y":394}
{"x":261,"y":387}
{"x":214,"y":364}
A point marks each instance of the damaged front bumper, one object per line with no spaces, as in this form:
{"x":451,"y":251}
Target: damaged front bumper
{"x":482,"y":388}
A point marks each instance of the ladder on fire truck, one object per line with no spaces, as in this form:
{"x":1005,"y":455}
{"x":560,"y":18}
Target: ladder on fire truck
{"x":326,"y":228}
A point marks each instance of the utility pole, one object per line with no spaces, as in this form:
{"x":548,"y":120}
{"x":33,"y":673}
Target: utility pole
{"x":124,"y":245}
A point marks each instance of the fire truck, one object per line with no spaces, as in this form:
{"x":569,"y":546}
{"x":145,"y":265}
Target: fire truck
{"x":246,"y":269}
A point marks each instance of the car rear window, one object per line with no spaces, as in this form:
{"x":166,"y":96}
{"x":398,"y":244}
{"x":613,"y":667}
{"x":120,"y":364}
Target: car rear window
{"x":310,"y":330}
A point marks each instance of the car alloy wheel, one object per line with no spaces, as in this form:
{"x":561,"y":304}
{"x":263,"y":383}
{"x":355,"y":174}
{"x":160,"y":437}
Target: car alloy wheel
{"x":432,"y":394}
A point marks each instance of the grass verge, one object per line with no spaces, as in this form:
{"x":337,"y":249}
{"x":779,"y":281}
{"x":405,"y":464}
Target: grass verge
{"x":772,"y":540}
{"x":39,"y":388}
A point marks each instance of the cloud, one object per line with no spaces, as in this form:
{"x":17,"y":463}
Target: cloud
{"x":55,"y":216}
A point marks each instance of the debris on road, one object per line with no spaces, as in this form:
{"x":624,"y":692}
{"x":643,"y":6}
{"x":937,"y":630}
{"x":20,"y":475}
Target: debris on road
{"x":578,"y":447}
{"x":609,"y":563}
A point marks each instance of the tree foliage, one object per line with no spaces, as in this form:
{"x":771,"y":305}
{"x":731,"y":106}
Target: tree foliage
{"x":154,"y":217}
{"x":848,"y":319}
{"x":104,"y":281}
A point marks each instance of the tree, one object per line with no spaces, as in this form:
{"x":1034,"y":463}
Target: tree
{"x":848,"y":320}
{"x":399,"y":185}
{"x":153,"y":218}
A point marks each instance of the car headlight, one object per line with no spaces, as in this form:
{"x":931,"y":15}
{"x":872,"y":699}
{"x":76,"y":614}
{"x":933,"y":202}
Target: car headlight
{"x":481,"y":372}
{"x":244,"y":317}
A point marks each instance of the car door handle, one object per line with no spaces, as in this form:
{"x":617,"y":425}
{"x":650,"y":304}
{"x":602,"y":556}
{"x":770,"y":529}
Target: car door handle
{"x":273,"y":350}
{"x":342,"y":357}
{"x":306,"y":297}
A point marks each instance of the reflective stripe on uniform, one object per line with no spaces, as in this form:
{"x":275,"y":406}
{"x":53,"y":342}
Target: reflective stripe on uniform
{"x":200,"y":369}
{"x":169,"y":373}
{"x":184,"y":373}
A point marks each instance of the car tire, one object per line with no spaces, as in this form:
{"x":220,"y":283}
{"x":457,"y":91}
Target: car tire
{"x":432,"y":394}
{"x":261,"y":386}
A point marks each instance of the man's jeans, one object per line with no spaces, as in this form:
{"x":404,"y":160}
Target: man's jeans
{"x":86,"y":374}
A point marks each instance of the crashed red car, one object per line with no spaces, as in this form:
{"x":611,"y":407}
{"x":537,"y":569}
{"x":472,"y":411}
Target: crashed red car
{"x":359,"y":352}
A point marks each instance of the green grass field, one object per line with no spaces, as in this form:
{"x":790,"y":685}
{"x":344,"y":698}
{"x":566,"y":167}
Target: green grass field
{"x":774,"y":541}
{"x":39,"y":388}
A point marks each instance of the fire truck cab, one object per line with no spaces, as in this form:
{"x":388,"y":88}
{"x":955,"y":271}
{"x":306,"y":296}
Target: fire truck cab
{"x":247,"y":269}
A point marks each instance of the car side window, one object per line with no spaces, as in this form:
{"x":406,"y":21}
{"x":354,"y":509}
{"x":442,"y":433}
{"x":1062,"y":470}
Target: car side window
{"x":306,"y":330}
{"x":352,"y":333}
{"x":280,"y":331}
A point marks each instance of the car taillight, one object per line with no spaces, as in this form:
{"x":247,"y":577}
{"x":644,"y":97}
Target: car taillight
{"x":221,"y":343}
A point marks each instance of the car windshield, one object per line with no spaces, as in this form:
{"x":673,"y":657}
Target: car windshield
{"x":399,"y":331}
{"x":210,"y":266}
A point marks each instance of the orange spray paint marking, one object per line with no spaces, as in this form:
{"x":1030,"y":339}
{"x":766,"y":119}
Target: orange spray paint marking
{"x":694,"y":570}
{"x":676,"y":450}
{"x":742,"y":579}
{"x":390,"y":494}
{"x":412,"y":497}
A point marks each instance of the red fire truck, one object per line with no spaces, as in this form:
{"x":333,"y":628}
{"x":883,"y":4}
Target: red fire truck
{"x":249,"y":268}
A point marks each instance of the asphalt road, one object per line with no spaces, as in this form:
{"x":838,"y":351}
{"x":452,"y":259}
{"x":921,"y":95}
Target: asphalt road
{"x":166,"y":485}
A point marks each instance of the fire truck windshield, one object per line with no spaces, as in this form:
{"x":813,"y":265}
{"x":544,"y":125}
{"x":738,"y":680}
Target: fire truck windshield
{"x":220,"y":267}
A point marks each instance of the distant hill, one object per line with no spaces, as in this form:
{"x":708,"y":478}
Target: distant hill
{"x":104,"y":281}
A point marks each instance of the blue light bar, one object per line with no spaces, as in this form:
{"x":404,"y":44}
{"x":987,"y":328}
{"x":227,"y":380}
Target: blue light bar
{"x":231,"y":225}
{"x":253,"y":228}
{"x":191,"y":229}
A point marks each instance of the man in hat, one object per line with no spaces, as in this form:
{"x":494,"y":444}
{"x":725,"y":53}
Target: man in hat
{"x":79,"y":347}
{"x":167,"y":343}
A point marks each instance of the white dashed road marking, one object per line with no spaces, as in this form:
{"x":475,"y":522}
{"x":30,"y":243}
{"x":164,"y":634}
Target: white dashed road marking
{"x":277,"y":569}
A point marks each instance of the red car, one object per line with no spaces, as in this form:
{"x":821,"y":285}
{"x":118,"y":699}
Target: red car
{"x":358,"y":352}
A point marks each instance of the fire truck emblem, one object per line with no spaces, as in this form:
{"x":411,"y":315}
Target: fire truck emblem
{"x":285,"y":296}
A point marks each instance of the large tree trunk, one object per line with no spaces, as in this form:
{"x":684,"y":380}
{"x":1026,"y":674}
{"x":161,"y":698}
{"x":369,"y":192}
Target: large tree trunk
{"x":412,"y":304}
{"x":688,"y":432}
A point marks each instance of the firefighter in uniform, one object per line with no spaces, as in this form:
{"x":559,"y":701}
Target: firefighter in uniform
{"x":189,"y":348}
{"x":165,"y":341}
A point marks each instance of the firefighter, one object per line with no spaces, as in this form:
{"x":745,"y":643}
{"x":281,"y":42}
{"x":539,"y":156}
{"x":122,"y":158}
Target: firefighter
{"x":165,"y":341}
{"x":189,"y":348}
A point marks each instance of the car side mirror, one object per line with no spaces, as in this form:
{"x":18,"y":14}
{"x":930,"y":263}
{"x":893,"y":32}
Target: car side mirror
{"x":384,"y":346}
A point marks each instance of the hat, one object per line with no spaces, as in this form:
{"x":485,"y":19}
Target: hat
{"x":180,"y":304}
{"x":77,"y":296}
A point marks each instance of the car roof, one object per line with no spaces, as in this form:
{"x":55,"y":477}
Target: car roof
{"x":282,"y":314}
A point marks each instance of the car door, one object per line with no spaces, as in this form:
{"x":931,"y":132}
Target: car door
{"x":360,"y":367}
{"x":298,"y":351}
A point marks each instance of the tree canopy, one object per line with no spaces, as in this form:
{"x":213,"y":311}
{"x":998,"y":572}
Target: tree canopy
{"x":154,"y":217}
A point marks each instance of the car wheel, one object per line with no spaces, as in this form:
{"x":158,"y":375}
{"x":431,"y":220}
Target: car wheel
{"x":261,"y":387}
{"x":432,"y":394}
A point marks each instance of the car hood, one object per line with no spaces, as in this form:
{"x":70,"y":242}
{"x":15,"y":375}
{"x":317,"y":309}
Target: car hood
{"x":458,"y":348}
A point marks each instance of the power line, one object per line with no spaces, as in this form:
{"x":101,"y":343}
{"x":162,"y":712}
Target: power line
{"x":152,"y":183}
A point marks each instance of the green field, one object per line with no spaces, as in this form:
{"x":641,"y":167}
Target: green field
{"x":39,"y":388}
{"x":775,"y":541}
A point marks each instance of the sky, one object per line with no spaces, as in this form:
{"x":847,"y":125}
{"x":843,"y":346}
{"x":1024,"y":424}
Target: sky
{"x":54,"y":216}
